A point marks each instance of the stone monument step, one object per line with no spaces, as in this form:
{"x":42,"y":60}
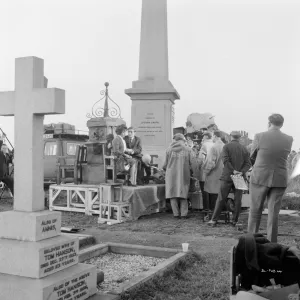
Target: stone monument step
{"x":77,"y":282}
{"x":30,"y":226}
{"x":38,"y":259}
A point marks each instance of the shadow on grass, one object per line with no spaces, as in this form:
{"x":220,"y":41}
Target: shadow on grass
{"x":197,"y":277}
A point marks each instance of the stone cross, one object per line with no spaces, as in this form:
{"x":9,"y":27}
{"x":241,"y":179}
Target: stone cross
{"x":29,"y":103}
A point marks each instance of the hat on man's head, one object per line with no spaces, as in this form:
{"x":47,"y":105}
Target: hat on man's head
{"x":236,"y":134}
{"x":179,"y":137}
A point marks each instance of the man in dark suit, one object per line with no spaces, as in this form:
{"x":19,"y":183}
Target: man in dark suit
{"x":269,"y":176}
{"x":134,"y":148}
{"x":236,"y":161}
{"x":133,"y":143}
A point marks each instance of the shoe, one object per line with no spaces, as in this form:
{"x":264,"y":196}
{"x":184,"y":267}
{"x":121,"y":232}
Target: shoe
{"x":130,"y":184}
{"x":212,"y":223}
{"x":177,"y":217}
{"x":185,"y":217}
{"x":233,"y":224}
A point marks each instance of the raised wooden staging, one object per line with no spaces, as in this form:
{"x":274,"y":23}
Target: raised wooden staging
{"x":91,"y":199}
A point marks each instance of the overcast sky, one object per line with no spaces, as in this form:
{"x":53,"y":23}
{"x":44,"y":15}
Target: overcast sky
{"x":239,"y":60}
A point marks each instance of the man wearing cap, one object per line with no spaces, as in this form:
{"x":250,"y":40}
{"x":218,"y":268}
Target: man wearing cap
{"x":236,"y":161}
{"x":269,"y":176}
{"x":178,"y":165}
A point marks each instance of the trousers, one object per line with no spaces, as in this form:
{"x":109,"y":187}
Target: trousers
{"x":183,"y":207}
{"x":259,"y":194}
{"x":225,"y":189}
{"x":205,"y":196}
{"x":212,"y":200}
{"x":141,"y":170}
{"x":133,"y":170}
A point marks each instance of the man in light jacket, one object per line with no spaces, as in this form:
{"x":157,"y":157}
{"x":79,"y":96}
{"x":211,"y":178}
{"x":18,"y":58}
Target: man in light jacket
{"x":269,"y":176}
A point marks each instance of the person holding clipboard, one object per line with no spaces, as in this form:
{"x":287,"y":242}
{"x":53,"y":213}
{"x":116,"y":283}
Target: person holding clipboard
{"x":236,"y":161}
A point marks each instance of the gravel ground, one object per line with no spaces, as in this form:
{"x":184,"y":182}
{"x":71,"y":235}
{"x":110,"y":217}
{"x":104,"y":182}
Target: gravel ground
{"x":120,"y":268}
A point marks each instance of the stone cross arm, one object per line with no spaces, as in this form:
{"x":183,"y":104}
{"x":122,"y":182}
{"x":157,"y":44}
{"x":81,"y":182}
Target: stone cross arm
{"x":43,"y":101}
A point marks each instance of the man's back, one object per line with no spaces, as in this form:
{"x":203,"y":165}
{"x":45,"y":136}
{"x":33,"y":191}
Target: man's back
{"x":270,"y":168}
{"x":235,"y":157}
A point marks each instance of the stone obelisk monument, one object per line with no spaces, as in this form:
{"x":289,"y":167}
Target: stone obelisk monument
{"x":153,"y":95}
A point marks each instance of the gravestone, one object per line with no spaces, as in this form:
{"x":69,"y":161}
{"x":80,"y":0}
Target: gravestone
{"x":36,"y":262}
{"x":153,"y":96}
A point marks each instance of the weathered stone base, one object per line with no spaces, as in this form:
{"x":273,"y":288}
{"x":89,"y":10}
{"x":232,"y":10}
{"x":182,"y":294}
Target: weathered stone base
{"x":75,"y":283}
{"x":29,"y":226}
{"x":38,"y":259}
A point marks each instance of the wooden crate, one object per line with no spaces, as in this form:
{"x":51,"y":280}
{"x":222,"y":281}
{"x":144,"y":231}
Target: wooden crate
{"x":114,"y":212}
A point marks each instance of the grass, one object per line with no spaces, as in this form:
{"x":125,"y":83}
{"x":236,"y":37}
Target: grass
{"x":197,"y":277}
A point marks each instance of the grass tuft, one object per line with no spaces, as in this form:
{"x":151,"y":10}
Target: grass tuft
{"x":196,"y":277}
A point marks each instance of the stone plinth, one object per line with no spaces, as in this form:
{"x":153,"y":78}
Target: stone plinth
{"x":25,"y":226}
{"x":77,"y":282}
{"x":152,"y":118}
{"x":38,"y":259}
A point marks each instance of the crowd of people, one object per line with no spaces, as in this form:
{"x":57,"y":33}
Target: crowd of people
{"x":214,"y":164}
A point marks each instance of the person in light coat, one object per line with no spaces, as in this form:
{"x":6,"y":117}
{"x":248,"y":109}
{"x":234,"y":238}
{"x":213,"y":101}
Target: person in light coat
{"x":212,"y":170}
{"x":178,"y":164}
{"x":207,"y":144}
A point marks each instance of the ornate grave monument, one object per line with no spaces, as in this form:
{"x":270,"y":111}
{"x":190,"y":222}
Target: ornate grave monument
{"x":153,"y":96}
{"x":36,"y":262}
{"x":104,"y":119}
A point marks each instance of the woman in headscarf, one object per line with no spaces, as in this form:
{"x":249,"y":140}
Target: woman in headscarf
{"x":178,"y":164}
